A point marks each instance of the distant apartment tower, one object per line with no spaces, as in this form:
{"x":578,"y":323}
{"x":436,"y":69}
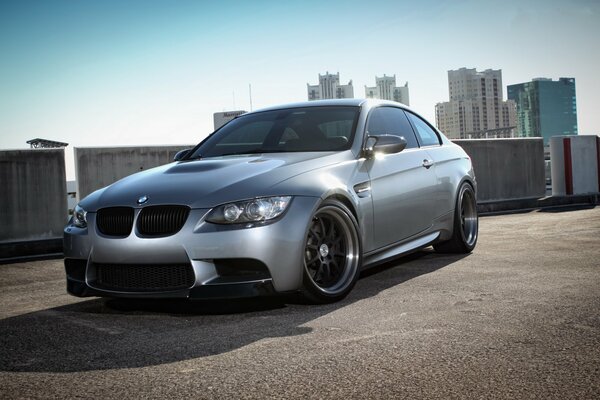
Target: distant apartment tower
{"x":545,"y":108}
{"x":329,"y":88}
{"x":385,"y":88}
{"x":221,"y":118}
{"x":476,"y":108}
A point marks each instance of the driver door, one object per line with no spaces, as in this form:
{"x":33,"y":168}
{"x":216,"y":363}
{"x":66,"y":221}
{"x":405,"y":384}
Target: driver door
{"x":402,"y":186}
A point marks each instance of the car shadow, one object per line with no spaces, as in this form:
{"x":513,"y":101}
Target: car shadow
{"x":568,"y":208}
{"x":103,"y":334}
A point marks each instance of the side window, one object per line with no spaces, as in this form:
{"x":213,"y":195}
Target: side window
{"x":391,"y":121}
{"x":427,"y":136}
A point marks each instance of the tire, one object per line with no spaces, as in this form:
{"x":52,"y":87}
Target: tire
{"x":466,"y":224}
{"x":332,"y":254}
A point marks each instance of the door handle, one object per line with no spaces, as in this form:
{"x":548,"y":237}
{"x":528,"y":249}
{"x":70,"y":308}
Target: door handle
{"x":427,"y":163}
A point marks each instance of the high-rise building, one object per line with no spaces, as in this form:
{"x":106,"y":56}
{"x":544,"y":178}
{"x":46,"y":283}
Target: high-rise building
{"x":329,"y":88}
{"x":545,"y":107}
{"x":476,"y":108}
{"x":385,"y":88}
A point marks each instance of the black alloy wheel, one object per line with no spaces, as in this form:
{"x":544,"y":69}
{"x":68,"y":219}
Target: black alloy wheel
{"x":332,"y":253}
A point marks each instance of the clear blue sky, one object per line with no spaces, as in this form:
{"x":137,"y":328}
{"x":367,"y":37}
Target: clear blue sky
{"x":96,"y":73}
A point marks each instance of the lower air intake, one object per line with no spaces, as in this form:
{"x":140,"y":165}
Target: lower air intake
{"x":154,"y":277}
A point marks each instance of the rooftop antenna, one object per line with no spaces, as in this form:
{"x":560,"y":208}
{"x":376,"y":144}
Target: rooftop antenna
{"x":233,"y":95}
{"x":250,"y":94}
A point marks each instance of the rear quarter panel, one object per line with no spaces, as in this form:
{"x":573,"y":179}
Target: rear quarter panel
{"x":452,"y":167}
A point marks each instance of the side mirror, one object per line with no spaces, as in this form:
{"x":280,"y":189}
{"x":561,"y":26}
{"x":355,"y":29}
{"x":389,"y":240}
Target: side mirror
{"x":181,"y":154}
{"x":385,"y":144}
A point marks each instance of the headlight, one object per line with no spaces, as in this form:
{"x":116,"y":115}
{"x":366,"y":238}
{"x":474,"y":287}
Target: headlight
{"x":255,"y":210}
{"x":79,"y":217}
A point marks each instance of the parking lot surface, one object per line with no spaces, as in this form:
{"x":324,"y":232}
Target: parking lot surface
{"x":517,"y":318}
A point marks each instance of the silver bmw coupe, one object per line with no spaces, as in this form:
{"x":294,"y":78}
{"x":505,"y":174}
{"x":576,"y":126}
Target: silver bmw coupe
{"x":294,"y":198}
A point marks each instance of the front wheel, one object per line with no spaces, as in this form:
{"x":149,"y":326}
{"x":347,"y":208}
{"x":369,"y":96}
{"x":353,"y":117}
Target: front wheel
{"x":466,"y":223}
{"x":332,"y":254}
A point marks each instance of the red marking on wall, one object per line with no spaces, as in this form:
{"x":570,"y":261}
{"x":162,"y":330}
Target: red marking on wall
{"x":568,"y":165}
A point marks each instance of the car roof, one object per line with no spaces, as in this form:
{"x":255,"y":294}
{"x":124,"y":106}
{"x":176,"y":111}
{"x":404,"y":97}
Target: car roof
{"x":330,"y":102}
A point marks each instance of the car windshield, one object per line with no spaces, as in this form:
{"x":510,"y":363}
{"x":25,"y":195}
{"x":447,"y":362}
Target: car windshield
{"x":290,"y":130}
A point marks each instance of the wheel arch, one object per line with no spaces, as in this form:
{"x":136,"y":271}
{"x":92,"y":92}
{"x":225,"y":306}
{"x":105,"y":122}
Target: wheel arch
{"x":460,"y":178}
{"x":361,"y":216}
{"x":468,"y":179}
{"x":460,"y":241}
{"x":346,"y":199}
{"x":446,"y":222}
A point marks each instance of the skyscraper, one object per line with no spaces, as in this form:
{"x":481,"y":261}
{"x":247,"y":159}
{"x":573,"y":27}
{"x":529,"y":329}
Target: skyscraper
{"x":545,"y":107}
{"x":476,"y":108}
{"x":329,"y":88}
{"x":385,"y":88}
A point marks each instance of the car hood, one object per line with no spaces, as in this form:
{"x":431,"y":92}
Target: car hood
{"x":209,"y":182}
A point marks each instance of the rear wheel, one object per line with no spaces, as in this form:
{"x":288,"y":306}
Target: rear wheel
{"x":466,"y":223}
{"x":332,"y":254}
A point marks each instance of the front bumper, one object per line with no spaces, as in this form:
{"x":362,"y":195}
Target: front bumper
{"x":204,"y":292}
{"x":277,"y":245}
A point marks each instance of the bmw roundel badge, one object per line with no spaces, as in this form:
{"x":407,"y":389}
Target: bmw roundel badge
{"x":142,"y":199}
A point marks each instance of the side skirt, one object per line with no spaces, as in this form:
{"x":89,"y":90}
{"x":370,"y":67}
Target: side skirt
{"x":377,"y":257}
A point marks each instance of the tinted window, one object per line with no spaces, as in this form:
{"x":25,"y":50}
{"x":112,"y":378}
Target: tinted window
{"x":294,"y":129}
{"x":288,"y":134}
{"x":252,"y":133}
{"x":391,"y":121}
{"x":427,"y":136}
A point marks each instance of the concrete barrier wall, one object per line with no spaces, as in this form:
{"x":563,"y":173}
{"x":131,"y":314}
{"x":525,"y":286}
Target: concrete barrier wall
{"x":33,"y":204}
{"x":96,"y":167}
{"x":507,"y":169}
{"x":575,"y":164}
{"x":33,"y":195}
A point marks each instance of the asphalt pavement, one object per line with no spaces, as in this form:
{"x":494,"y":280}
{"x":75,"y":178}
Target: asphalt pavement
{"x":517,"y":318}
